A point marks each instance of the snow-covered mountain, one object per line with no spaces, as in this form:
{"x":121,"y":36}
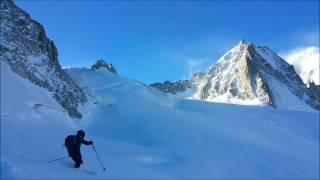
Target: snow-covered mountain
{"x":249,"y":74}
{"x":306,"y":62}
{"x":26,"y":48}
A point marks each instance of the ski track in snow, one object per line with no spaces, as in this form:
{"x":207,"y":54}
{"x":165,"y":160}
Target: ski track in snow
{"x":139,"y":133}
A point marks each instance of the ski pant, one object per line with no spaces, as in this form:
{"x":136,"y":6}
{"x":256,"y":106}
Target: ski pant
{"x":75,"y":155}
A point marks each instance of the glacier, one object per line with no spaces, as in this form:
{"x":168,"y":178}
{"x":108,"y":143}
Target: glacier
{"x":140,"y":133}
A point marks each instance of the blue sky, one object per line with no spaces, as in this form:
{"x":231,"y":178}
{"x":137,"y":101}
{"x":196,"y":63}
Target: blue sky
{"x":168,"y":40}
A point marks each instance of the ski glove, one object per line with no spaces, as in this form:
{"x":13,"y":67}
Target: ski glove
{"x":90,"y":142}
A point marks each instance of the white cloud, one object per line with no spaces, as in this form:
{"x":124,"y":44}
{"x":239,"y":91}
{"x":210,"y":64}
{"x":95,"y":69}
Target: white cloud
{"x":196,"y":65}
{"x":306,"y":62}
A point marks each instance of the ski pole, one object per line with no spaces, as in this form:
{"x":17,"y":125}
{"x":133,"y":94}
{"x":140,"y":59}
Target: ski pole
{"x":103,"y":168}
{"x":59,"y":159}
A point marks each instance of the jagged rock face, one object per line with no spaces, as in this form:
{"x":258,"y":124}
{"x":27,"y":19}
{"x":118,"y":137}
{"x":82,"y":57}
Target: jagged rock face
{"x":25,"y":47}
{"x":101,"y":64}
{"x":236,"y":75}
{"x":172,"y":87}
{"x":247,"y":72}
{"x":181,"y":85}
{"x":314,"y":90}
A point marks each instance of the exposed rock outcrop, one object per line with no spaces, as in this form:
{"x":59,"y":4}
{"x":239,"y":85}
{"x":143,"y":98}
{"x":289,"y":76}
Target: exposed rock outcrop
{"x":26,"y":48}
{"x":101,"y":64}
{"x":172,"y":87}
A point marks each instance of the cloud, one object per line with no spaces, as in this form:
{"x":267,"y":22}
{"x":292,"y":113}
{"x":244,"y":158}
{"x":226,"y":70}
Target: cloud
{"x":295,"y":39}
{"x":196,"y":65}
{"x":305,"y":38}
{"x":305,"y":61}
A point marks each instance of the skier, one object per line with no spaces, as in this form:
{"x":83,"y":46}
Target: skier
{"x":73,"y":143}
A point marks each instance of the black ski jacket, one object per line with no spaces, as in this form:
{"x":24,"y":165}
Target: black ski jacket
{"x":77,"y":141}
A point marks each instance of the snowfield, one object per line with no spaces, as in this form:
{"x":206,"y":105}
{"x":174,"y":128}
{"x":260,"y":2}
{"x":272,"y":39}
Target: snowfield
{"x":140,"y":133}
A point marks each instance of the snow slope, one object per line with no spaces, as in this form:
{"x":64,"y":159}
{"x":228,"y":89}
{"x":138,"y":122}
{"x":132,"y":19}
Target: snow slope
{"x":140,"y":133}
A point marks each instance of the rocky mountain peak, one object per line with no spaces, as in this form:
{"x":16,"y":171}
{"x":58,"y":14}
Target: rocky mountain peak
{"x":242,"y":42}
{"x":252,"y":74}
{"x":101,"y":64}
{"x":236,"y":76}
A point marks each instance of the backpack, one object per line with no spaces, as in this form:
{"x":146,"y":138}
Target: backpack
{"x":69,"y":141}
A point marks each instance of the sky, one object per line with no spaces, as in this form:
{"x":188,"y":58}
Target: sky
{"x":154,"y":41}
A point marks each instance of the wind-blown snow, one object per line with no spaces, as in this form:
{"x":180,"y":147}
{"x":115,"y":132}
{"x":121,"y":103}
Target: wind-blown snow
{"x":140,"y":133}
{"x":306,"y":62}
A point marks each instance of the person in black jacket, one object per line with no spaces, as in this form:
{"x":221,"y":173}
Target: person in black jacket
{"x":73,"y":143}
